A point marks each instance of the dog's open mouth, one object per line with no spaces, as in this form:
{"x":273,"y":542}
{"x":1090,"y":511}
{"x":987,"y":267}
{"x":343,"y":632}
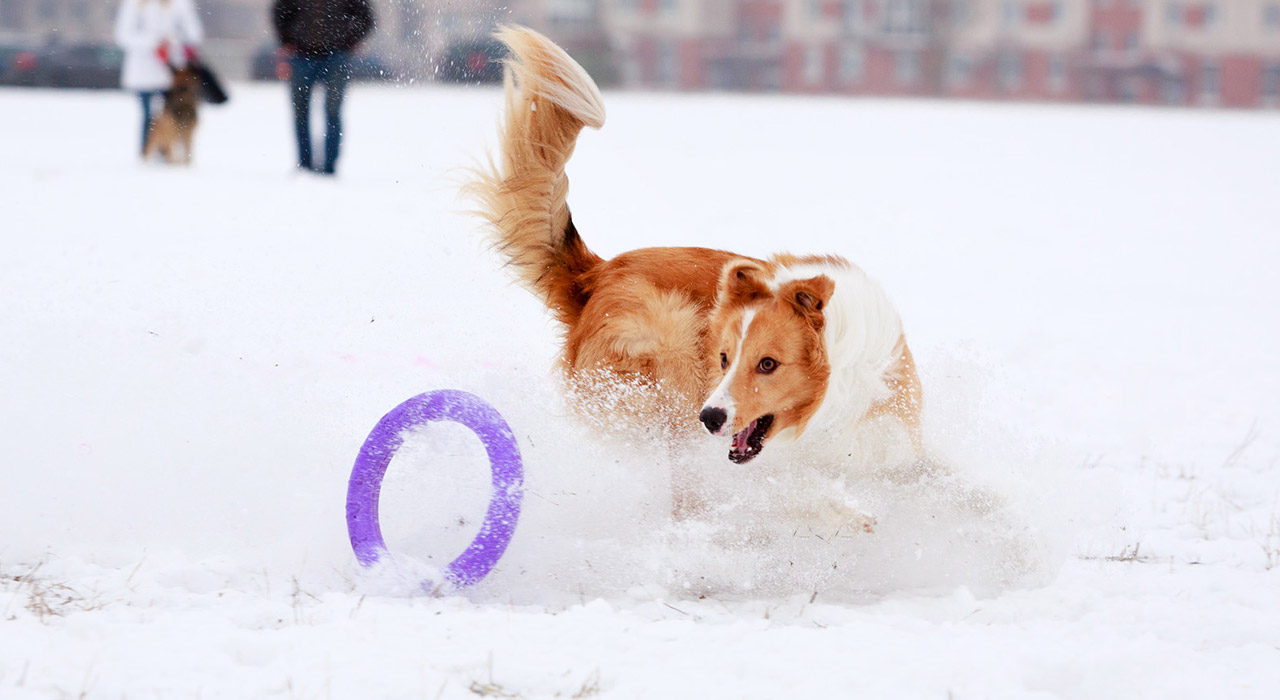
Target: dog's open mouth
{"x":748,"y":443}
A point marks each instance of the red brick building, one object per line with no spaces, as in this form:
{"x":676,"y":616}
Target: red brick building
{"x":1212,"y":52}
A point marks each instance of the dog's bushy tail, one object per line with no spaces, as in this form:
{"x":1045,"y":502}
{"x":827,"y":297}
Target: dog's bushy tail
{"x":523,"y":195}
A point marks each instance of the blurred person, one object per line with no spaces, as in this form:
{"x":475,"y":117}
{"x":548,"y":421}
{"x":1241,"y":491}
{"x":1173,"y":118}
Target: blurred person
{"x":319,"y":36}
{"x":155,"y":35}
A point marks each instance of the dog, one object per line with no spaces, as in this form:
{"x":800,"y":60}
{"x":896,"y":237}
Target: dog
{"x":801,"y":350}
{"x":172,"y":130}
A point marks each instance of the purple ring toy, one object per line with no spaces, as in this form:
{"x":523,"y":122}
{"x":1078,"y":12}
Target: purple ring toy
{"x":387,"y":437}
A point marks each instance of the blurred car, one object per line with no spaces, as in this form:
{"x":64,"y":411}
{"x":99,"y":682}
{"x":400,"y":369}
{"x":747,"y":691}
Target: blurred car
{"x":18,"y":61}
{"x":472,"y":62}
{"x":270,"y":62}
{"x":78,"y":66}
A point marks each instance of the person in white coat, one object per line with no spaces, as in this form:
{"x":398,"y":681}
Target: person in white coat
{"x":154,"y":35}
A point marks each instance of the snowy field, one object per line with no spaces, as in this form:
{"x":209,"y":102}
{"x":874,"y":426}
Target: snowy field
{"x":190,"y":360}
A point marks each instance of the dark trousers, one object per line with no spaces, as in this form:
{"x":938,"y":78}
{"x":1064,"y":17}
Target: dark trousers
{"x":147,"y":97}
{"x":333,"y":70}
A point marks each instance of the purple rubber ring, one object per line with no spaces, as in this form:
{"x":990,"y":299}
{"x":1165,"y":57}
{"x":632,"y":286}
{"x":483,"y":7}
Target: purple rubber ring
{"x":387,"y":437}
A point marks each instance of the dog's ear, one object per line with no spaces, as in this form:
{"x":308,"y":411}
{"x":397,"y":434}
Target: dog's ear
{"x":743,"y":282}
{"x":809,"y":297}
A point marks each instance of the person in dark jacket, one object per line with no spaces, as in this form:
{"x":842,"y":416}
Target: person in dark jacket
{"x":319,"y":36}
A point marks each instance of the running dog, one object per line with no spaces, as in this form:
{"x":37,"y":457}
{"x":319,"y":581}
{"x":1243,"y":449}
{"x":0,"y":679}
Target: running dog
{"x":803,"y":350}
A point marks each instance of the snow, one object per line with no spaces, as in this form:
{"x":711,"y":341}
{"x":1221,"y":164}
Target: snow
{"x":190,"y":361}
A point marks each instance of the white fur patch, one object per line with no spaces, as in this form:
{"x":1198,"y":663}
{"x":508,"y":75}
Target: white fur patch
{"x":721,"y":398}
{"x":861,"y":333}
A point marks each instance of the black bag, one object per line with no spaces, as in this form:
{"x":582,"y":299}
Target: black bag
{"x":210,"y":87}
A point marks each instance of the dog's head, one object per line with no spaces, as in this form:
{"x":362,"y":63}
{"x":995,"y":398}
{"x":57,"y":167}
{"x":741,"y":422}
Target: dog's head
{"x":185,"y":89}
{"x":768,"y":349}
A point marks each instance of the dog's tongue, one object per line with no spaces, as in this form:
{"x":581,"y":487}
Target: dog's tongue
{"x":740,"y":439}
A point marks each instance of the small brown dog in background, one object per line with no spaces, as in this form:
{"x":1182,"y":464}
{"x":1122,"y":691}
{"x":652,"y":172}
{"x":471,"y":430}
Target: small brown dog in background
{"x":173,"y":128}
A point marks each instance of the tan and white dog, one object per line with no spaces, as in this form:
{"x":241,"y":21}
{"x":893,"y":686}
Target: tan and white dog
{"x":805,"y":350}
{"x":171,"y":132}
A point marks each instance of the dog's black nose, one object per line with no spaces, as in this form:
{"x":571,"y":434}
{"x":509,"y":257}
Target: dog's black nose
{"x":713,"y":418}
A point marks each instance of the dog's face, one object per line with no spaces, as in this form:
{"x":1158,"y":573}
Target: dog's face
{"x":770,"y":355}
{"x":186,"y":86}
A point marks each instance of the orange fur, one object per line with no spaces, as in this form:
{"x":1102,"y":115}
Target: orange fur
{"x":786,"y":326}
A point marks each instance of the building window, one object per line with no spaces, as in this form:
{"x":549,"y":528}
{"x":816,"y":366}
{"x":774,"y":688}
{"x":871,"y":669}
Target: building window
{"x":1131,"y":42}
{"x":1271,"y":16}
{"x":668,"y":64}
{"x":813,"y":65}
{"x":853,"y":61}
{"x":1173,"y":14}
{"x":1010,"y":14}
{"x":630,"y":5}
{"x":959,"y":69}
{"x":854,"y":14}
{"x":961,"y":13}
{"x":815,"y":9}
{"x":1129,"y":88}
{"x":80,"y":11}
{"x":667,"y":7}
{"x":1271,"y":83}
{"x":1209,"y":79}
{"x":1172,"y":90}
{"x":772,"y":79}
{"x":1057,"y":81}
{"x":1210,"y":16}
{"x":1009,"y":70}
{"x":907,"y":17}
{"x":1101,"y":40}
{"x":906,"y":67}
{"x":11,"y":15}
{"x":565,"y":11}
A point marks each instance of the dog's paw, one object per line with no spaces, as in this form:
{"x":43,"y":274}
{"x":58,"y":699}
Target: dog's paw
{"x":844,"y":519}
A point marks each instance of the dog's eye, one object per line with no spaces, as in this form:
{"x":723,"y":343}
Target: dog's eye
{"x":767,"y":365}
{"x":724,"y":361}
